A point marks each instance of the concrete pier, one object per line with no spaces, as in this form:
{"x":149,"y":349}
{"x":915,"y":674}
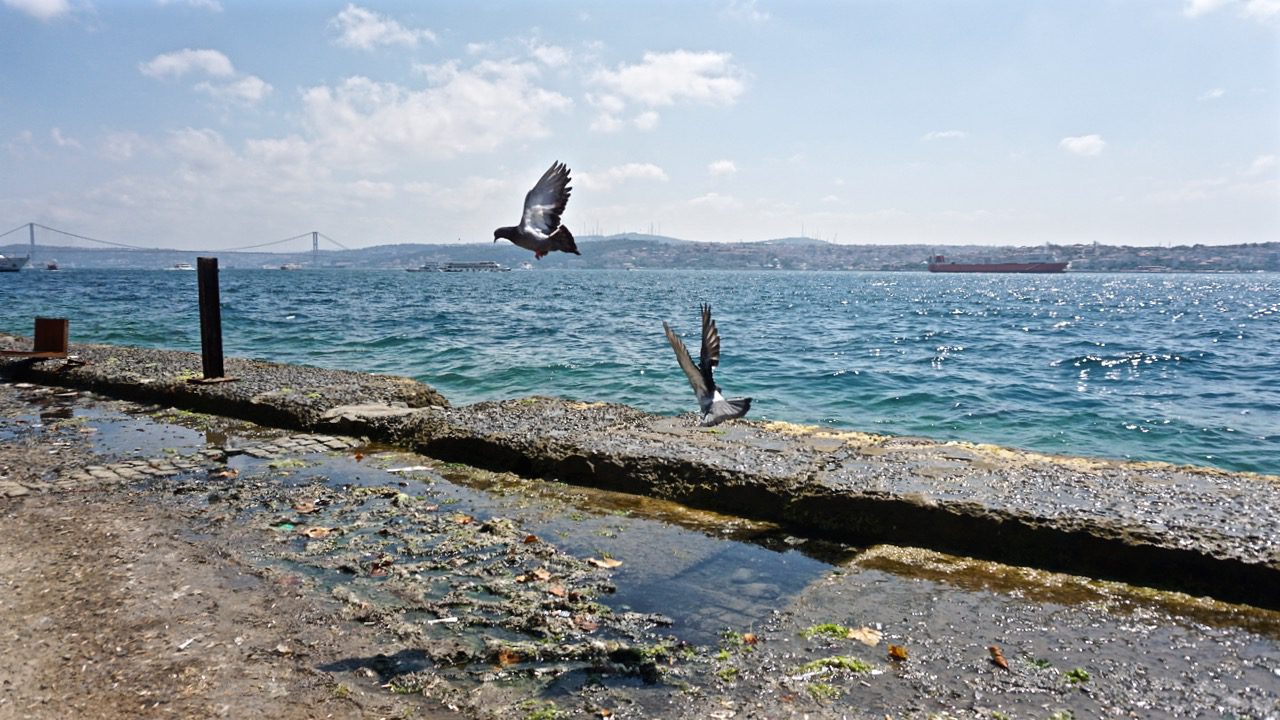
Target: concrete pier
{"x":1197,"y":530}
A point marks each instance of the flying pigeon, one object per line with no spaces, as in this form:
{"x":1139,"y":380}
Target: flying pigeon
{"x":540,"y":229}
{"x":715,"y":408}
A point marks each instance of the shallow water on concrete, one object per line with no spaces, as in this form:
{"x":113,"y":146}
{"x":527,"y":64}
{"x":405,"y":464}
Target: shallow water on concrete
{"x":404,"y":553}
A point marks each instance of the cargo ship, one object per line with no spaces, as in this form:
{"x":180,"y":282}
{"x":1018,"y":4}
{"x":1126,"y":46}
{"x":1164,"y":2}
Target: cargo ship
{"x":938,"y":263}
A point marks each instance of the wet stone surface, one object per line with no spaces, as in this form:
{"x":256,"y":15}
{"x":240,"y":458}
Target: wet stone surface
{"x":504,"y":596}
{"x":1187,"y":529}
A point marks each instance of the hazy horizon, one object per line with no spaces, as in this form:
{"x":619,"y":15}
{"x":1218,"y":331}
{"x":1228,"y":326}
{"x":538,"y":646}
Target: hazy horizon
{"x":204,"y":124}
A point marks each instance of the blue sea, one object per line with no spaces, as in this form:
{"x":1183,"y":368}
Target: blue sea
{"x":1175,"y":367}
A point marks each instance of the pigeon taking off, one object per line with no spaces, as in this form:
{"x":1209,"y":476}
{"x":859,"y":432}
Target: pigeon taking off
{"x":715,"y":408}
{"x":540,"y":229}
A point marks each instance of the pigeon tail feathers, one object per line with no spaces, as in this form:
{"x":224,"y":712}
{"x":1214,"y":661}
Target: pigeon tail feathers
{"x":562,"y":240}
{"x":722,"y":410}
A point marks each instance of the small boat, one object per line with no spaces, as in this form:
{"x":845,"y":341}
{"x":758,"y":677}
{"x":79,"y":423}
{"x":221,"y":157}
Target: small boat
{"x":291,"y":266}
{"x":182,"y":266}
{"x":938,"y":263}
{"x":12,"y":264}
{"x":526,"y":265}
{"x":51,"y":265}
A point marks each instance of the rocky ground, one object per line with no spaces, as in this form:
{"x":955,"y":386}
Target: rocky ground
{"x":163,"y":563}
{"x":115,"y":608}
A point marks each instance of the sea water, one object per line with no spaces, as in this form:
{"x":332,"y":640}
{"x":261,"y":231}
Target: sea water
{"x":1175,"y":367}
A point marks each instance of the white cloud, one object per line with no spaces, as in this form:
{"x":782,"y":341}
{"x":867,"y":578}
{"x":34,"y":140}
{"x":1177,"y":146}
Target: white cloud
{"x":464,"y":110}
{"x":666,"y":78}
{"x":619,"y":174}
{"x":1261,"y":10}
{"x":716,"y":201}
{"x":1196,"y":8}
{"x":606,"y":123}
{"x":177,"y":64}
{"x":370,"y":190}
{"x":647,"y":120}
{"x":248,"y":90}
{"x":20,"y":144}
{"x":1260,"y":165}
{"x":210,"y":5}
{"x":1083,"y":145}
{"x":945,"y":135}
{"x":722,"y":167}
{"x":1213,"y":94}
{"x":553,"y":56}
{"x":1190,"y":191}
{"x":44,"y":10}
{"x":120,"y":146}
{"x":474,"y":193}
{"x":62,"y":140}
{"x":365,"y":29}
{"x":291,"y":158}
{"x":609,"y":107}
{"x":744,"y":10}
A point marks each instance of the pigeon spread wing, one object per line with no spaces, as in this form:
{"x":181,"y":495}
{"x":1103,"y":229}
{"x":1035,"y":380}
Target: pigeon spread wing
{"x":686,"y":363}
{"x":710,"y":356}
{"x":545,"y":203}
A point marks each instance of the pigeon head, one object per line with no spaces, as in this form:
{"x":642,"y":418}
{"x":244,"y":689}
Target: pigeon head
{"x":507,"y":233}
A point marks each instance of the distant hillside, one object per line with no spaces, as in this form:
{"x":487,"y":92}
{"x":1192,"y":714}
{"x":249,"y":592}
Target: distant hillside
{"x":639,"y":251}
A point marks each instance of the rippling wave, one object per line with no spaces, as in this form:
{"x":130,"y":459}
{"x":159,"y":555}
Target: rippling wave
{"x":1162,"y":367}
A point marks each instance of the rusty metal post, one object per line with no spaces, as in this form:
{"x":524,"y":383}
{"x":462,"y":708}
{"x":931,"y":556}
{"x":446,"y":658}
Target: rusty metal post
{"x":210,"y":318}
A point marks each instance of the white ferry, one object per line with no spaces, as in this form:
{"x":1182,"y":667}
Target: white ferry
{"x":482,"y":266}
{"x":12,"y":264}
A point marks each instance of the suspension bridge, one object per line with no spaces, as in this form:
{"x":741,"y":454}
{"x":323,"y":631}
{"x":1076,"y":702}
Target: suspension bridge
{"x":49,"y":236}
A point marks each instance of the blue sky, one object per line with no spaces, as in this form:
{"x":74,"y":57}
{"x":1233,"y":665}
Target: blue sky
{"x":208,"y":124}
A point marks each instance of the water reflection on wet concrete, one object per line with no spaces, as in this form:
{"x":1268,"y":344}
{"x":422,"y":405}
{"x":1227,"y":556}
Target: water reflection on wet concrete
{"x":1088,"y":647}
{"x":1071,"y":643}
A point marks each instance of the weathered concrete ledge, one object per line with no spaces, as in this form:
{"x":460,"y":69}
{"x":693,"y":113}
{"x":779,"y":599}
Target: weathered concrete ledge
{"x":1196,"y":530}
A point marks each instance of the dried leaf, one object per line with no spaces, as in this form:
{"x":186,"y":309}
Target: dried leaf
{"x":530,"y":539}
{"x":304,"y":507}
{"x":316,"y":533}
{"x":606,"y":563}
{"x":226,"y":473}
{"x":541,"y":574}
{"x":897,"y":653}
{"x":462,"y":519}
{"x":865,"y":635}
{"x":997,"y":656}
{"x":604,"y":713}
{"x":357,"y":455}
{"x":586,"y":624}
{"x":507,"y":656}
{"x":557,"y":590}
{"x":750,"y":638}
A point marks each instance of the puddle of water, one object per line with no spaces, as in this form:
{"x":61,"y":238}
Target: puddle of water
{"x":702,"y":572}
{"x":710,"y":573}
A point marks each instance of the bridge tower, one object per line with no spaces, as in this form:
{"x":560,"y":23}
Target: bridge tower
{"x":31,"y":230}
{"x":315,"y":248}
